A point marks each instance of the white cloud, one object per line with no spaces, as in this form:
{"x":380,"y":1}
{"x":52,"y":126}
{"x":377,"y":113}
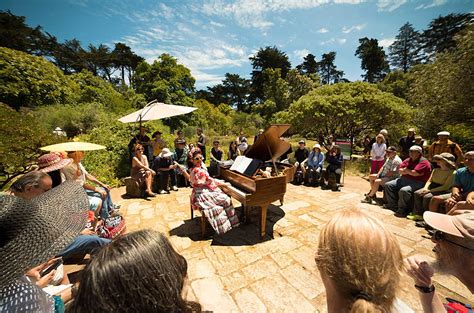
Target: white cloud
{"x":216,"y":24}
{"x":323,"y":30}
{"x":206,"y":79}
{"x":333,"y":41}
{"x":300,"y":54}
{"x":251,"y":13}
{"x":434,"y":3}
{"x":359,"y":27}
{"x":390,"y":5}
{"x":386,"y":42}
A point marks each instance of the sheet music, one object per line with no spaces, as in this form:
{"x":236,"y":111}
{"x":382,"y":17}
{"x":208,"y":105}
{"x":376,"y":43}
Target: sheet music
{"x":240,"y":164}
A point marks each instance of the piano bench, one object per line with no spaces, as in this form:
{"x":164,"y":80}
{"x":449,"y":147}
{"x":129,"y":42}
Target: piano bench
{"x":202,"y":220}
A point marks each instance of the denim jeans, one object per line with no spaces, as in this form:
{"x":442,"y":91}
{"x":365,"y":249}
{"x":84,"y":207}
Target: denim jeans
{"x":107,"y":204}
{"x":398,"y":193}
{"x":83,"y":244}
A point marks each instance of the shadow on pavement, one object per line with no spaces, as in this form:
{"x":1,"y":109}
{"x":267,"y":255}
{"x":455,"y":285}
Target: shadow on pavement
{"x":244,"y":235}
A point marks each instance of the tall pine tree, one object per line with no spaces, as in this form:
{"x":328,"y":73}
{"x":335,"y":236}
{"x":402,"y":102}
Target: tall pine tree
{"x":373,"y":60}
{"x":404,"y":52}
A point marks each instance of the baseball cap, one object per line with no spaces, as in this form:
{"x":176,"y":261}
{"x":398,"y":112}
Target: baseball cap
{"x":416,"y":148}
{"x":461,"y":225}
{"x":301,"y":141}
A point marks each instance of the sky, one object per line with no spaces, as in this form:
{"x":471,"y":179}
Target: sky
{"x":214,"y":37}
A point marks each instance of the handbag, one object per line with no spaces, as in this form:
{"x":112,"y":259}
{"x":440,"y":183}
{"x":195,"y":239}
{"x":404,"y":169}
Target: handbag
{"x":111,"y":227}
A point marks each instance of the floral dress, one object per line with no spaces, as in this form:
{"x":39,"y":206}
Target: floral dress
{"x":214,"y":204}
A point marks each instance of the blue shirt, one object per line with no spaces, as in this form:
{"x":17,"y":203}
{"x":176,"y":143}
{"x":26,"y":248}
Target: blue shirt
{"x":464,"y":179}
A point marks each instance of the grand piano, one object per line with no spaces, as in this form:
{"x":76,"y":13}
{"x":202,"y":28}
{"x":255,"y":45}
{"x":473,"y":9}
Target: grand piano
{"x":258,"y":191}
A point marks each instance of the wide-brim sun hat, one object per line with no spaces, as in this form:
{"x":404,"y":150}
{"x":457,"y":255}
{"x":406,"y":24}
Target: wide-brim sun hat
{"x":317,"y":146}
{"x":52,"y":161}
{"x":461,"y":225}
{"x":446,"y":157}
{"x":165,"y":153}
{"x":35,"y":231}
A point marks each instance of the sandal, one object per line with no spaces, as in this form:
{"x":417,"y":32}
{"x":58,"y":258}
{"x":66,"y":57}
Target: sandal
{"x":150,"y":194}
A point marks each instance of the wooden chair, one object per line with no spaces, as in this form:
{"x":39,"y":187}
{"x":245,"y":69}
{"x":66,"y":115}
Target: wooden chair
{"x":203,"y":219}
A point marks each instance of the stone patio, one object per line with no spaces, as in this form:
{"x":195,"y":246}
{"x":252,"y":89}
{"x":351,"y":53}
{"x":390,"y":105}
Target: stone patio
{"x":239,"y":272}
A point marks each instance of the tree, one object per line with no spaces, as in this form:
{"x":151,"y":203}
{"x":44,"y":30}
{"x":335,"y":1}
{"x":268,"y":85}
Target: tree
{"x":373,"y":60}
{"x":443,"y":92}
{"x":397,"y":83}
{"x":441,"y":32}
{"x":266,"y":58}
{"x":125,"y":60}
{"x":404,"y":52}
{"x":346,"y":110}
{"x":70,"y":56}
{"x":328,"y":70}
{"x":99,"y":61}
{"x":237,"y":89}
{"x":299,"y":85}
{"x":309,"y":65}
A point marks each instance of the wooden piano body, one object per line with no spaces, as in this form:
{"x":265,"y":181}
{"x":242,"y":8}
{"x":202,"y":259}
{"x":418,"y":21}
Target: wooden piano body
{"x":258,"y":191}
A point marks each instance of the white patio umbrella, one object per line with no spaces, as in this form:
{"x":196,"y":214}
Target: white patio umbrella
{"x":155,"y":111}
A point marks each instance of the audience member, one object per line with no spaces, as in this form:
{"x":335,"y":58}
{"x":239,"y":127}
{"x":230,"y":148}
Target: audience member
{"x":240,"y":137}
{"x":257,"y":135}
{"x":314,"y":165}
{"x":144,"y":140}
{"x":389,"y":171}
{"x":139,"y":272}
{"x":443,"y":144}
{"x":242,"y":146}
{"x":415,"y":172}
{"x":454,"y":251}
{"x":440,"y":182}
{"x":366,"y":145}
{"x":334,"y":169}
{"x":52,"y":163}
{"x":377,"y":154}
{"x":216,"y":156}
{"x":201,"y":142}
{"x":31,"y":235}
{"x":179,"y":137}
{"x":301,"y":155}
{"x":463,"y":184}
{"x":233,"y":151}
{"x":384,"y":133}
{"x":181,"y":157}
{"x":406,"y":143}
{"x":141,"y":171}
{"x":157,"y":144}
{"x":207,"y":197}
{"x":360,"y":263}
{"x":165,"y":168}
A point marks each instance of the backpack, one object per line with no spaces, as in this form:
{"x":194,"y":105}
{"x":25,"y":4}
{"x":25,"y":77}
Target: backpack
{"x":299,"y":177}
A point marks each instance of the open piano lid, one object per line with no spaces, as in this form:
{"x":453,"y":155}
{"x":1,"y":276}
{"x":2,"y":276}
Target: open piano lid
{"x":269,"y":146}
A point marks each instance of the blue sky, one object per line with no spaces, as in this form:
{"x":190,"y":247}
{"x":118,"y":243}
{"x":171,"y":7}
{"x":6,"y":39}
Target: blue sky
{"x":213,"y":37}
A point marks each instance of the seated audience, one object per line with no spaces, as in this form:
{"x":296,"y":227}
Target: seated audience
{"x":179,"y":137}
{"x":32,"y":235}
{"x":139,"y":272}
{"x":233,"y":151}
{"x":207,"y":197}
{"x":443,"y":144}
{"x":454,"y":252}
{"x":301,"y":155}
{"x":406,"y":143}
{"x":53,"y":282}
{"x":377,"y":154}
{"x":463,"y":185}
{"x":34,"y":184}
{"x":216,"y":157}
{"x":99,"y":197}
{"x":415,"y":172}
{"x":242,"y":146}
{"x":165,"y":168}
{"x":334,"y":169}
{"x":360,"y":263}
{"x":52,"y":164}
{"x":440,"y":182}
{"x":181,"y":157}
{"x":388,"y":172}
{"x":314,"y":165}
{"x":157,"y":143}
{"x":141,"y":171}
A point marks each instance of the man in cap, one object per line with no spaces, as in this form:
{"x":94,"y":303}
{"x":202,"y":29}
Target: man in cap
{"x":443,"y":144}
{"x":454,"y":251}
{"x":406,"y":142}
{"x":415,"y":172}
{"x":463,"y":187}
{"x":301,"y":155}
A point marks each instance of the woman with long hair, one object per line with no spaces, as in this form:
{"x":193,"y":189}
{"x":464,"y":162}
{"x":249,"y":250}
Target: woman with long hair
{"x":360,"y":264}
{"x":138,"y":272}
{"x":208,"y":198}
{"x":233,"y":151}
{"x":141,"y":171}
{"x":377,"y":154}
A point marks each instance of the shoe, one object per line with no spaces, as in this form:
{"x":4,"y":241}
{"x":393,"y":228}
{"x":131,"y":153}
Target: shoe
{"x":117,"y":207}
{"x":415,"y":217}
{"x":162,"y":192}
{"x":401,"y":213}
{"x":174,"y":188}
{"x":410,"y":216}
{"x":421,"y":224}
{"x":367,"y":200}
{"x":150,"y":194}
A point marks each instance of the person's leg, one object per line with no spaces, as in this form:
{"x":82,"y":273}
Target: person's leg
{"x":418,"y":200}
{"x":405,"y":196}
{"x":173,"y":180}
{"x":83,"y":244}
{"x":391,"y":194}
{"x":148,"y":182}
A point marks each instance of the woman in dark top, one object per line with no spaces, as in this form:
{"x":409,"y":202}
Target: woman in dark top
{"x":216,"y":157}
{"x":333,"y":171}
{"x":233,"y":151}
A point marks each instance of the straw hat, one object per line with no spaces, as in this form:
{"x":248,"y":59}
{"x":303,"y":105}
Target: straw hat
{"x":51,"y":162}
{"x":446,"y":157}
{"x":461,"y":226}
{"x":35,"y":231}
{"x":165,"y":153}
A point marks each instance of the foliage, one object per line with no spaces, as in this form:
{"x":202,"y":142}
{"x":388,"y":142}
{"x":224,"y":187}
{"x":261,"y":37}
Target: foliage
{"x":233,"y":91}
{"x":30,"y":81}
{"x":404,"y":52}
{"x":397,"y":83}
{"x":309,"y":65}
{"x":443,"y":92}
{"x":328,"y":70}
{"x":373,"y":59}
{"x":22,"y":136}
{"x":266,"y":58}
{"x":346,"y":110}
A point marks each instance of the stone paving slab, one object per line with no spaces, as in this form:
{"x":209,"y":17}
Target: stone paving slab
{"x":239,"y":272}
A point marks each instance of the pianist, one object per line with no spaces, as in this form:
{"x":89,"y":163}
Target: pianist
{"x":207,"y":197}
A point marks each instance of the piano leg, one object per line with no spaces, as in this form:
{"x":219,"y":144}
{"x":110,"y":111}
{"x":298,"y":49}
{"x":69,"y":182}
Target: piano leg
{"x":263,"y":220}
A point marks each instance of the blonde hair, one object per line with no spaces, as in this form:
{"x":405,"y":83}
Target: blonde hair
{"x":380,"y":136}
{"x":362,"y":259}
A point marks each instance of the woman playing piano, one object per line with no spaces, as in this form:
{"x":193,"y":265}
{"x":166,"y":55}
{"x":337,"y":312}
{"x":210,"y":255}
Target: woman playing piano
{"x":207,"y":197}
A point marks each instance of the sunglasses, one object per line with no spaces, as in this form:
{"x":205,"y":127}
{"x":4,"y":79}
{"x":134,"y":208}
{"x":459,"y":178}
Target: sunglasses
{"x":440,"y":236}
{"x":140,"y":150}
{"x":197,"y":158}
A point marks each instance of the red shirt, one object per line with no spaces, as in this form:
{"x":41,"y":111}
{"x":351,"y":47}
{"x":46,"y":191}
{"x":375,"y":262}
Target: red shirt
{"x":421,"y":166}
